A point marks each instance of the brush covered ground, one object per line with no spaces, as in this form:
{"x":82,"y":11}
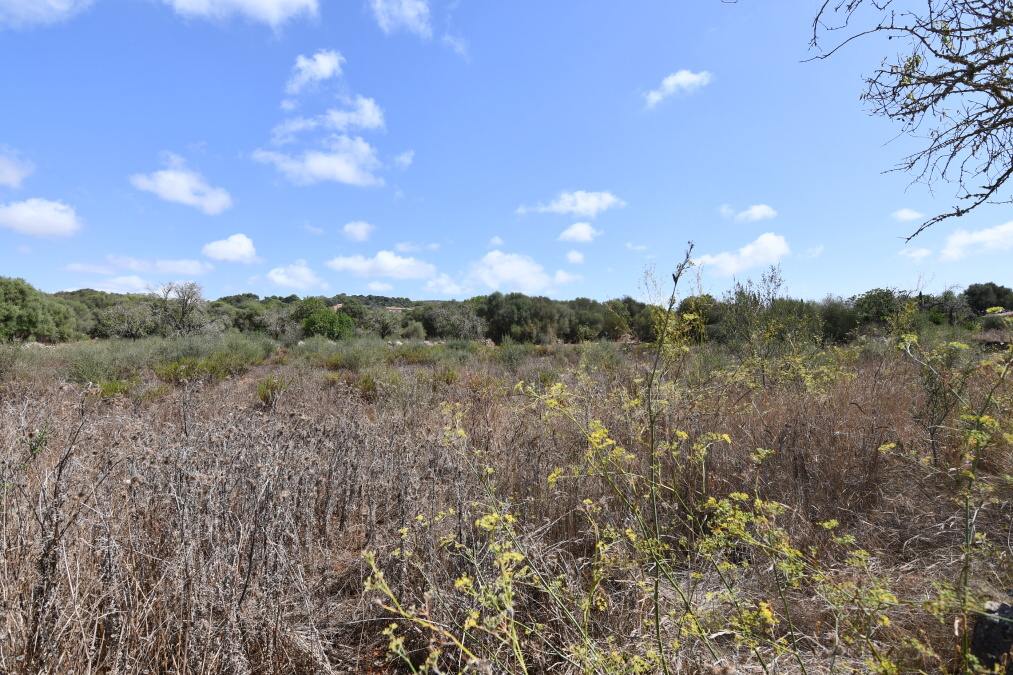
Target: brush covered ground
{"x":223,"y":504}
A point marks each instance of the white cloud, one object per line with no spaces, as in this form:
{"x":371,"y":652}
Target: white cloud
{"x":579,"y":203}
{"x":181,"y":185}
{"x":89,"y":268}
{"x":298,"y":275}
{"x":915,"y":253}
{"x":579,"y":232}
{"x":272,"y":12}
{"x":564,"y":277}
{"x":639,"y":248}
{"x":181,"y":267}
{"x":575,"y":257}
{"x":23,"y":13}
{"x":755,"y":213}
{"x":312,"y":70}
{"x":815,"y":251}
{"x":348,"y":160}
{"x":410,"y":15}
{"x":234,"y":248}
{"x":383,"y":264}
{"x":405,"y":159}
{"x":126,"y":284}
{"x":767,"y":249}
{"x":40,"y":218}
{"x":457,"y":44}
{"x":989,"y":240}
{"x":379,"y":286}
{"x":13,"y":169}
{"x":443,"y":284}
{"x":679,"y":81}
{"x":358,"y":230}
{"x":364,"y":113}
{"x":313,"y":229}
{"x":906,"y":215}
{"x":511,"y":272}
{"x":412,"y":247}
{"x":496,"y":241}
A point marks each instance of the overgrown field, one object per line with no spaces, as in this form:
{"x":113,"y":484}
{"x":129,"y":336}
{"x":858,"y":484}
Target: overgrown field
{"x":208,"y":505}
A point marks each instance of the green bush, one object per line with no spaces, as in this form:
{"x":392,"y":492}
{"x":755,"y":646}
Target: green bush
{"x":329,"y":324}
{"x":269,"y":390}
{"x":113,"y":388}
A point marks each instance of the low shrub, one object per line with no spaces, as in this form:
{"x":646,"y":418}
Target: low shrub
{"x":269,"y":390}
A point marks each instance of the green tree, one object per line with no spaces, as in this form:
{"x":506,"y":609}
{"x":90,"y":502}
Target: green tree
{"x":329,"y":324}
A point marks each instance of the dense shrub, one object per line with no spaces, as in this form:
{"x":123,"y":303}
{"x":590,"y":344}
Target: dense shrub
{"x":328,"y":324}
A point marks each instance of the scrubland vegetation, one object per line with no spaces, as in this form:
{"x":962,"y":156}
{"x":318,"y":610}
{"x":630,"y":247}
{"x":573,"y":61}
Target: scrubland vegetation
{"x":752,"y":489}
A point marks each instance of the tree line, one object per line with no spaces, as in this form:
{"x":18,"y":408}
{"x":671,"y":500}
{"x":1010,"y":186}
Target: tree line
{"x":29,"y":314}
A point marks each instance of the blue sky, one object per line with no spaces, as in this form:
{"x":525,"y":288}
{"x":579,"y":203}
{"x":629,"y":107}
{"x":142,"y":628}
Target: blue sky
{"x":446,"y":149}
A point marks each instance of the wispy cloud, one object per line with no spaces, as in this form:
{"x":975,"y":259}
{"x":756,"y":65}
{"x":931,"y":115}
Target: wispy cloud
{"x":13,"y":169}
{"x":906,"y":215}
{"x":751,"y":214}
{"x":348,"y":160}
{"x":410,"y":15}
{"x":578,"y":203}
{"x":962,"y":243}
{"x":271,"y":12}
{"x":25,"y":13}
{"x":915,"y":253}
{"x":680,"y":81}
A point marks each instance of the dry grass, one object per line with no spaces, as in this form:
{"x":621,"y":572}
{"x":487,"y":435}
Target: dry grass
{"x":195,"y":528}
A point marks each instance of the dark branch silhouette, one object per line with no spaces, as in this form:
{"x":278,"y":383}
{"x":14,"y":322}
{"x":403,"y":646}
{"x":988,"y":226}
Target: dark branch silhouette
{"x":948,"y":84}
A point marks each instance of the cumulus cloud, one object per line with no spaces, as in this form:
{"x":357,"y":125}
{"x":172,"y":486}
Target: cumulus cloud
{"x":383,"y":264}
{"x":443,"y":284}
{"x":13,"y":169}
{"x":680,"y":81}
{"x":234,"y":248}
{"x":409,"y":15}
{"x":515,"y":272}
{"x":578,"y":203}
{"x":298,"y":275}
{"x":312,"y":70}
{"x":24,"y":13}
{"x":962,"y":243}
{"x":575,"y":257}
{"x":272,"y":12}
{"x":767,"y":249}
{"x":348,"y":160}
{"x":579,"y":232}
{"x":179,"y":184}
{"x":906,"y":215}
{"x":358,"y":230}
{"x":40,"y":218}
{"x":915,"y":253}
